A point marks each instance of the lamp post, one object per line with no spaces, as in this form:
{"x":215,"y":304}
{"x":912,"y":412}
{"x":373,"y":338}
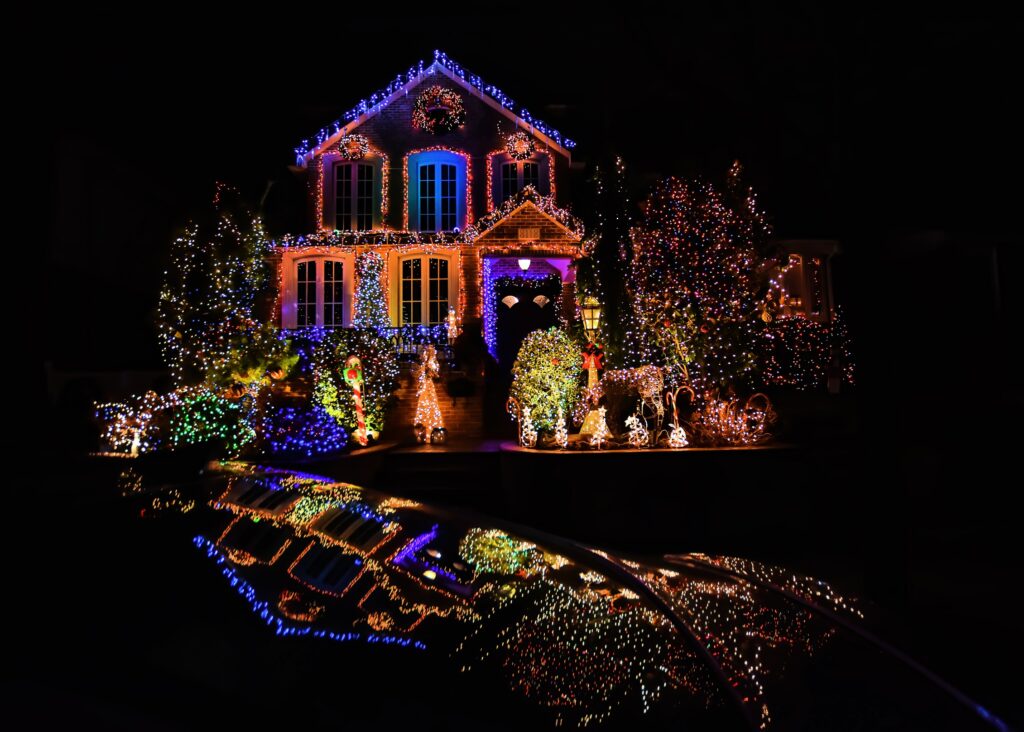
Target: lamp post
{"x":590,"y":310}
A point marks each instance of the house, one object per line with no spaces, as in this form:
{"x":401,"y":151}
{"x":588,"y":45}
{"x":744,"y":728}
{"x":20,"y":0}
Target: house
{"x":464,"y":195}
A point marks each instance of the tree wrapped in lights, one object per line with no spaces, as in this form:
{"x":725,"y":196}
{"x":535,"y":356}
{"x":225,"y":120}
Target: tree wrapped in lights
{"x":545,"y":375}
{"x":428,"y":411}
{"x":371,"y":300}
{"x":699,"y":281}
{"x":380,"y":376}
{"x":605,"y":273}
{"x":218,"y":276}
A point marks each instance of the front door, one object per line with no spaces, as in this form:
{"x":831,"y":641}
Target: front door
{"x":524,"y":306}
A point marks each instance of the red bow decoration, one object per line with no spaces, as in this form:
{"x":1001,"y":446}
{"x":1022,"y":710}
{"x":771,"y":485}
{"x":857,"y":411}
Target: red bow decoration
{"x":593,"y":357}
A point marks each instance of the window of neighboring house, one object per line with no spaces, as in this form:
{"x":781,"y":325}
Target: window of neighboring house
{"x":425,"y":287}
{"x":437,"y":191}
{"x":319,"y":293}
{"x":353,"y":196}
{"x":515,"y":176}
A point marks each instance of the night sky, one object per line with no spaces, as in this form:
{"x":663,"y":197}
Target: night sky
{"x":850,"y":127}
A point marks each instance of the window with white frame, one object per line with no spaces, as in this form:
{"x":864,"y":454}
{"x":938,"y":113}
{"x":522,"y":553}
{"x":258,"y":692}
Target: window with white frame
{"x":354,"y":194}
{"x":319,"y":293}
{"x":305,"y":291}
{"x":423,"y":297}
{"x":515,"y":176}
{"x":437,"y":191}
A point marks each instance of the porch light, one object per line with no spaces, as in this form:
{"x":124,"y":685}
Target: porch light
{"x":590,"y":309}
{"x":524,"y":264}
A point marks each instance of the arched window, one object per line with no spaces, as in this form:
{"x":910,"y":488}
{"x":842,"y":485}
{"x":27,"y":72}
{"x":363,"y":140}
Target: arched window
{"x":316,"y":292}
{"x":425,"y":285}
{"x":437,"y":191}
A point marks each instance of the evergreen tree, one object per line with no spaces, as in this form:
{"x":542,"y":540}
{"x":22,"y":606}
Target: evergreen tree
{"x":371,"y":300}
{"x":218,"y":273}
{"x":698,"y":281}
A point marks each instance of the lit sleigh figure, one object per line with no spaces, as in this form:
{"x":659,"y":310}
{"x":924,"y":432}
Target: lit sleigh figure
{"x":561,"y":631}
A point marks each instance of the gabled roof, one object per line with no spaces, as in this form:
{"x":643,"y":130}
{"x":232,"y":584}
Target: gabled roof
{"x":571,"y":226}
{"x":488,"y":93}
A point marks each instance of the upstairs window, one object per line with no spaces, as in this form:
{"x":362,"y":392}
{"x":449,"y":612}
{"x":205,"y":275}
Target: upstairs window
{"x":515,"y":176}
{"x":354,"y":193}
{"x":437,"y":191}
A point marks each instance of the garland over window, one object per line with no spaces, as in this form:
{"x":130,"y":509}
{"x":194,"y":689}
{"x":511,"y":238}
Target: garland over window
{"x":438,"y":110}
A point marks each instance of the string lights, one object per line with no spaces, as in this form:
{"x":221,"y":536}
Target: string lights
{"x":545,"y":375}
{"x":427,"y":421}
{"x":379,"y":100}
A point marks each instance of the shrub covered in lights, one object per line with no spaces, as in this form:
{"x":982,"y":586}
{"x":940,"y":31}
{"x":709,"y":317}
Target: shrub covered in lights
{"x":303,"y":430}
{"x":380,"y":376}
{"x":490,"y":551}
{"x":545,"y":376}
{"x":252,"y":356}
{"x":202,"y":416}
{"x":799,"y":352}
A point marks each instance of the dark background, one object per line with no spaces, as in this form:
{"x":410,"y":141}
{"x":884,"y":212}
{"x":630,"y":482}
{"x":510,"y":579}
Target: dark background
{"x":894,"y":135}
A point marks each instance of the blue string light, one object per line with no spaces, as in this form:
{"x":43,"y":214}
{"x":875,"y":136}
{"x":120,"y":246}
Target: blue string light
{"x":378,"y":100}
{"x":262,"y":609}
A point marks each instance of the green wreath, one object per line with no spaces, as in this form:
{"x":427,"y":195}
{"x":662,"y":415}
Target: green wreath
{"x":438,"y":110}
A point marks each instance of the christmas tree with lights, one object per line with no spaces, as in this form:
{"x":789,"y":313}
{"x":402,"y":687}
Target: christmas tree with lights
{"x":371,"y":302}
{"x":699,"y":280}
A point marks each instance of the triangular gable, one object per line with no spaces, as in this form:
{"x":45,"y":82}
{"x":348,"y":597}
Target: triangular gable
{"x":529,"y":215}
{"x":487,"y":93}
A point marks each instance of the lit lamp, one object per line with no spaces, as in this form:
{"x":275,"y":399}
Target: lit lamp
{"x":590,"y":310}
{"x":524,"y":264}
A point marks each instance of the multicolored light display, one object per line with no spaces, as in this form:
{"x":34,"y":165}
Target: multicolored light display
{"x":377,"y":101}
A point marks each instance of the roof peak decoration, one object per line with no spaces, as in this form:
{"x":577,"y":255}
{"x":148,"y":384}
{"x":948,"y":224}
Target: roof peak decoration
{"x":380,"y":99}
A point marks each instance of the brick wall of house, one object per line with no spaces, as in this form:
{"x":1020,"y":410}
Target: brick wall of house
{"x":462,"y":416}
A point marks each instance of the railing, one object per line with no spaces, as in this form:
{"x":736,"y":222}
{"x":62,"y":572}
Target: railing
{"x":410,"y":340}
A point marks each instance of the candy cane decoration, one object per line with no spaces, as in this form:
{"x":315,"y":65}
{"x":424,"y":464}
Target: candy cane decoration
{"x":353,"y":372}
{"x":678,"y":436}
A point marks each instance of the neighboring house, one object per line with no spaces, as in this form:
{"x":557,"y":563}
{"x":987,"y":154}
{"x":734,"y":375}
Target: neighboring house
{"x":457,"y":188}
{"x":807,"y":282}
